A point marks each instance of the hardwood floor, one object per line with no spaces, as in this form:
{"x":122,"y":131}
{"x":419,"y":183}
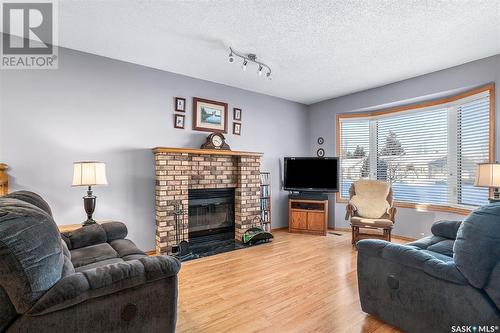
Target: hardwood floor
{"x":297,"y":283}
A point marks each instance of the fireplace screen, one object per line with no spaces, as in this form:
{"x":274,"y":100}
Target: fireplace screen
{"x":211,"y":211}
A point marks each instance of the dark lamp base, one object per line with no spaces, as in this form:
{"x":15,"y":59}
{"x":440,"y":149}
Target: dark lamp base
{"x":88,"y":222}
{"x":89,"y":204}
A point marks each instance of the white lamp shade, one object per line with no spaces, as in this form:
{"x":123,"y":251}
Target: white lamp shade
{"x":488,"y":175}
{"x":89,"y":174}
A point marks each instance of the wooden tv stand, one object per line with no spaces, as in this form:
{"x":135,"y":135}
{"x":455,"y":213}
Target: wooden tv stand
{"x":308,"y":216}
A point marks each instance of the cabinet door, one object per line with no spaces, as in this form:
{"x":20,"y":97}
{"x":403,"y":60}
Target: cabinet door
{"x":299,"y":220}
{"x":316,"y":221}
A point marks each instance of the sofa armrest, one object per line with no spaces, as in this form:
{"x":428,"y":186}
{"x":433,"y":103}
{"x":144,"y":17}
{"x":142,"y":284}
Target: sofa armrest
{"x":410,"y":257}
{"x":79,"y":287}
{"x":95,"y":234}
{"x":446,"y":229}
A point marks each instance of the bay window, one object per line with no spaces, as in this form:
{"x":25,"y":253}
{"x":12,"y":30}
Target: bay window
{"x":427,"y":152}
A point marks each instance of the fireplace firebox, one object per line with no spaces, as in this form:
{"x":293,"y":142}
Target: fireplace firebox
{"x":211,"y":220}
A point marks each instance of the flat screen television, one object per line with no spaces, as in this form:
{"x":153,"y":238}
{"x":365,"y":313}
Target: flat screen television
{"x":311,"y":174}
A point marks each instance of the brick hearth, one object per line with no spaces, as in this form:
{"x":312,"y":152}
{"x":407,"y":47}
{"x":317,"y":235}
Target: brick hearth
{"x":178,"y":170}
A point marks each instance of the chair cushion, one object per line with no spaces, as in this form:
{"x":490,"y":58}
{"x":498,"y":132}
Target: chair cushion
{"x":439,"y":256}
{"x":370,"y":198}
{"x":477,"y":250}
{"x":376,"y":223}
{"x":31,"y":198}
{"x":86,"y":236}
{"x":446,"y":229}
{"x":91,"y":254}
{"x":99,"y":264}
{"x":114,"y":230}
{"x":8,"y":313}
{"x":31,"y":253}
{"x":424,"y":243}
{"x":444,"y":247}
{"x":125,"y":247}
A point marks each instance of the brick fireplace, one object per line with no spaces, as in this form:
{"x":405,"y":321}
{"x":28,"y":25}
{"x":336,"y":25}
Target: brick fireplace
{"x":180,"y":170}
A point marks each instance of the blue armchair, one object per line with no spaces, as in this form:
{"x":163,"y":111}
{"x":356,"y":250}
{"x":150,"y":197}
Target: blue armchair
{"x":451,"y":278}
{"x":89,"y":280}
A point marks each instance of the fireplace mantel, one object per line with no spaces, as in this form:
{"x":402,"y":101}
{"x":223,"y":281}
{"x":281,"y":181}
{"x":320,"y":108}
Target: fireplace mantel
{"x":205,"y":151}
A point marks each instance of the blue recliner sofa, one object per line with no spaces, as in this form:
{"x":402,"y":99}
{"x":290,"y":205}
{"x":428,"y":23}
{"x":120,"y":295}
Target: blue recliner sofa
{"x":442,"y":283}
{"x":90,"y":280}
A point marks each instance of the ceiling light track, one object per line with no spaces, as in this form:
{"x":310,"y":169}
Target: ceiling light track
{"x":251,"y":57}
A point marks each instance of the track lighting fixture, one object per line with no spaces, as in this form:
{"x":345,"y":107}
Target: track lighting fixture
{"x":252,"y":58}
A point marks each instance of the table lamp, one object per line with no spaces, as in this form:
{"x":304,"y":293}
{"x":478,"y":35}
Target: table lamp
{"x":89,"y":174}
{"x":488,"y":175}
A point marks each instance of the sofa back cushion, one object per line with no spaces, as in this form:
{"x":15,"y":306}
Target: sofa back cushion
{"x":477,"y":247}
{"x":31,"y":253}
{"x":31,"y":198}
{"x":370,"y":198}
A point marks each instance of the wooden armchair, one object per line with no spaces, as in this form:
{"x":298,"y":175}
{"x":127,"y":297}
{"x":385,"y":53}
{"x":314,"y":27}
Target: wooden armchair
{"x":370,"y":207}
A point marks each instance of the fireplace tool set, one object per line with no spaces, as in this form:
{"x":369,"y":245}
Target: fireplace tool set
{"x":181,"y":250}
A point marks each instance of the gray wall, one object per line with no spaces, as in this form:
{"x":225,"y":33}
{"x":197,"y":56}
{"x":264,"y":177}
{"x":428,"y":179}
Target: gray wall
{"x":95,"y":108}
{"x":410,"y":222}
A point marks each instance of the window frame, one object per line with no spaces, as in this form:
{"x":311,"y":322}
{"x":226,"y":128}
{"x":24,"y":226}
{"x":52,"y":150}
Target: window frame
{"x":490,"y":88}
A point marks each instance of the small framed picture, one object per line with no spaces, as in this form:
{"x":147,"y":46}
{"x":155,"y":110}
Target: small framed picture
{"x":179,"y":121}
{"x":236,"y":128}
{"x":236,"y":114}
{"x":180,"y":104}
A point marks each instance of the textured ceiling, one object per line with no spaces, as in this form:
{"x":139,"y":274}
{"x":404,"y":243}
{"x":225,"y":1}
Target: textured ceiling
{"x":317,"y":49}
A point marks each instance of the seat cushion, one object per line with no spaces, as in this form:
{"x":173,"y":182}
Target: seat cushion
{"x":99,"y":264}
{"x":424,"y":243}
{"x":134,"y":256}
{"x":91,"y":254}
{"x":438,"y":255}
{"x":376,"y":223}
{"x":444,"y":247}
{"x":125,"y":247}
{"x":370,"y":198}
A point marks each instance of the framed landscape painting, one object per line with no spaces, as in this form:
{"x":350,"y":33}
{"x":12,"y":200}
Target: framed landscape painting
{"x":209,"y":116}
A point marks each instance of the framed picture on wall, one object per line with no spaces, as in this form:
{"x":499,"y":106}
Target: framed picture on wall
{"x":179,"y":121}
{"x":209,"y":116}
{"x":236,"y":128}
{"x":180,"y":104}
{"x":237,"y":114}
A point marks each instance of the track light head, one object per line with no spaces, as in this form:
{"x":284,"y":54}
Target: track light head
{"x":249,"y":58}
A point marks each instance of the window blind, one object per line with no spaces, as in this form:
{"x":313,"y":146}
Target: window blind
{"x":413,"y":155}
{"x":428,"y":155}
{"x":354,"y":151}
{"x":473,"y":141}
